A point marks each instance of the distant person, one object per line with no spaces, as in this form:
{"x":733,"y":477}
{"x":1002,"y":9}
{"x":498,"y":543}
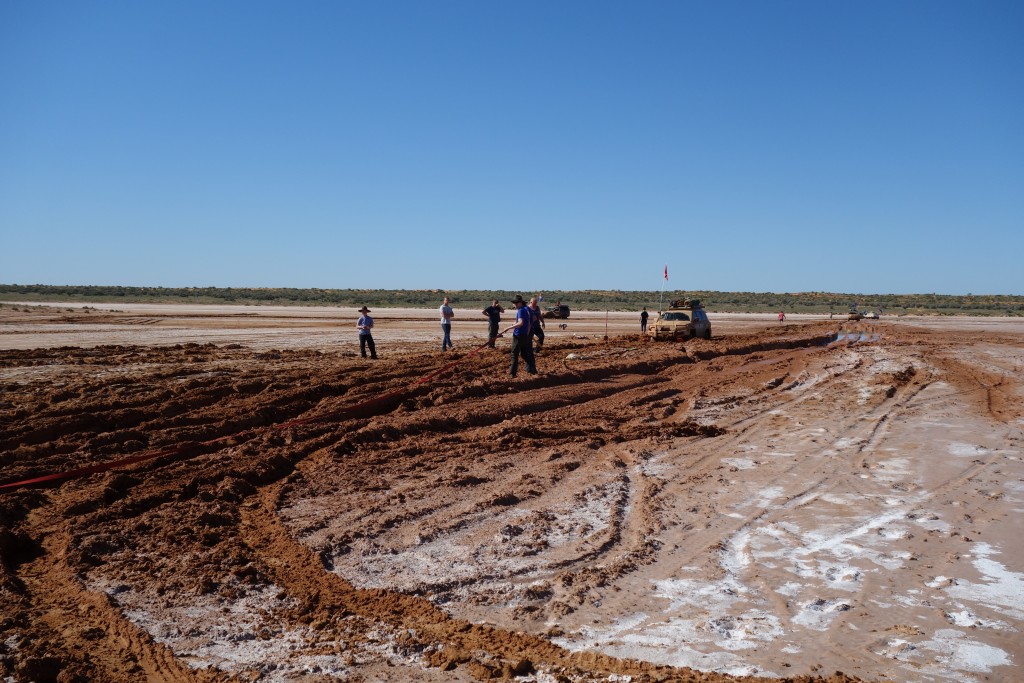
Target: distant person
{"x":446,"y":325}
{"x":643,"y":320}
{"x":782,"y":317}
{"x":493,"y":313}
{"x":365,"y":326}
{"x":536,"y":324}
{"x":521,"y":345}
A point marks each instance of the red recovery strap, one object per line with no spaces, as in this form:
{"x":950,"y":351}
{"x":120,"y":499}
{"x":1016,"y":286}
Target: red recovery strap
{"x":175,"y":450}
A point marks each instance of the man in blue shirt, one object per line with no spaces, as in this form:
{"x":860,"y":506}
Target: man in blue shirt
{"x":364,"y":325}
{"x":521,"y":342}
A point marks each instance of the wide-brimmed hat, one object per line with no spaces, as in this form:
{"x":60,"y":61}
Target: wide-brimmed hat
{"x":518,"y":299}
{"x":364,"y":309}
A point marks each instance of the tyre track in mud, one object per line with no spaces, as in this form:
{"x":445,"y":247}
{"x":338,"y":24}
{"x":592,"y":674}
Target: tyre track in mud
{"x":895,"y":399}
{"x":296,"y":568}
{"x":231,"y":496}
{"x":868,"y":439}
{"x":852,"y":430}
{"x":85,"y":626}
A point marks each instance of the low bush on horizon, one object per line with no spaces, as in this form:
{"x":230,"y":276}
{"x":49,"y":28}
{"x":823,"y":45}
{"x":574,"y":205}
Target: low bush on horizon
{"x":601,"y":300}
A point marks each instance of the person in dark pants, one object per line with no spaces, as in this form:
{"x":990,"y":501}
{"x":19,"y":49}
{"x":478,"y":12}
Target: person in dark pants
{"x":365,"y":325}
{"x":643,"y":321}
{"x":536,"y":324}
{"x":446,"y":325}
{"x":521,"y":342}
{"x":493,"y":313}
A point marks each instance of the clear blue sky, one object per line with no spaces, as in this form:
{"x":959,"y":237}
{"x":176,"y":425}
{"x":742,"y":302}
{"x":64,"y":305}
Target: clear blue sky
{"x":866,"y":147}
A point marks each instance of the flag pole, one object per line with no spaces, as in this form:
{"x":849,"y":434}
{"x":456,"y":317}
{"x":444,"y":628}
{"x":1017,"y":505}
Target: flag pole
{"x":662,"y":296}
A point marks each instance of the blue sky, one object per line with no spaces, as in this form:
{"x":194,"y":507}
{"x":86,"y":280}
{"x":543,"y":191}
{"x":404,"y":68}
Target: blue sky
{"x":865,"y":147}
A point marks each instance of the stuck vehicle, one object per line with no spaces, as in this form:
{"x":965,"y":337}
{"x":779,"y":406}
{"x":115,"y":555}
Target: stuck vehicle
{"x":684,"y":319}
{"x":561,"y":312}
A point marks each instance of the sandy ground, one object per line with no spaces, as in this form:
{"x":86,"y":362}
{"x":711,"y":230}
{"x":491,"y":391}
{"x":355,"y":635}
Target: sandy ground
{"x":787,"y":501}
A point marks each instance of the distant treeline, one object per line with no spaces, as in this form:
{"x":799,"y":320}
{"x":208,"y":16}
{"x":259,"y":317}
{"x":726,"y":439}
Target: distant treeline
{"x":590,"y":299}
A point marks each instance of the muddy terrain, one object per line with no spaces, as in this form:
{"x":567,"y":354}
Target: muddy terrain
{"x":783,"y":501}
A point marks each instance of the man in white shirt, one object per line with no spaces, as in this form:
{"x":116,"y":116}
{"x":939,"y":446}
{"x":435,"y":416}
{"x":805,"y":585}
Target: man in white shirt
{"x":446,"y":325}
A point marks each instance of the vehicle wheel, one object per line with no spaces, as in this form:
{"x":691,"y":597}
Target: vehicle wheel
{"x":707,"y":334}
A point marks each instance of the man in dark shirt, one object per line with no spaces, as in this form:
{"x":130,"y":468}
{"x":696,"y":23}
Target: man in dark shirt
{"x":536,"y":324}
{"x":643,"y":321}
{"x":493,"y":313}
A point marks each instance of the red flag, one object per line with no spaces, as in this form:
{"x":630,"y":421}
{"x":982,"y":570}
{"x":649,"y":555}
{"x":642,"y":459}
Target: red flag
{"x":666,"y":271}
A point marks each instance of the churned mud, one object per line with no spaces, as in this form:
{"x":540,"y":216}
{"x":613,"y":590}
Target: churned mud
{"x":782,"y":501}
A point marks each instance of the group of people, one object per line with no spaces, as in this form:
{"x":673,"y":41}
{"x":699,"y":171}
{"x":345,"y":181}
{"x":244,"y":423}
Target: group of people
{"x":529,"y":325}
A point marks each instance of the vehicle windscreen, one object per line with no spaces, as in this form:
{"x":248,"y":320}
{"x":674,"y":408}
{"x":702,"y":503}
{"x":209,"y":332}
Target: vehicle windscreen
{"x":675,"y":316}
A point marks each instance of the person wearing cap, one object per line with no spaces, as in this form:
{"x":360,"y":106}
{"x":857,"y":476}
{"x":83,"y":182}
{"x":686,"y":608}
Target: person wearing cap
{"x":521,"y":345}
{"x":536,"y":324}
{"x":446,"y":325}
{"x":365,"y":325}
{"x":493,"y":313}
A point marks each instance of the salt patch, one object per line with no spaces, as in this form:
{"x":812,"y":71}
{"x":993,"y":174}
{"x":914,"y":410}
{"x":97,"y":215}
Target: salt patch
{"x":837,"y":499}
{"x":1003,"y":589}
{"x":456,"y":561}
{"x":965,"y":450}
{"x":843,"y":577}
{"x":735,"y":556}
{"x":689,"y":593}
{"x":242,"y":634}
{"x":968,"y":619}
{"x":790,"y":589}
{"x":819,"y":614}
{"x":675,"y":642}
{"x":767,"y":495}
{"x":954,"y":650}
{"x":893,"y":469}
{"x":894,"y":532}
{"x":838,"y":541}
{"x":739,"y":463}
{"x":926,"y":521}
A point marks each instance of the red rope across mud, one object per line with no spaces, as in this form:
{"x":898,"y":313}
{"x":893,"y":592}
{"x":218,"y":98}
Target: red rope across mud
{"x":181,"y":448}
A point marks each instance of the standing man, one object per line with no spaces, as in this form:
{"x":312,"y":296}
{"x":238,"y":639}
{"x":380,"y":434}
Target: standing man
{"x":493,"y":313}
{"x":643,"y":321}
{"x":365,"y":325}
{"x":536,"y":324}
{"x":521,"y":338}
{"x":782,"y":317}
{"x":446,"y":325}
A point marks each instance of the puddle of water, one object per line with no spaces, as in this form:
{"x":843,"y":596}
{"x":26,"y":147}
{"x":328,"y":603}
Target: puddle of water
{"x":855,"y":336}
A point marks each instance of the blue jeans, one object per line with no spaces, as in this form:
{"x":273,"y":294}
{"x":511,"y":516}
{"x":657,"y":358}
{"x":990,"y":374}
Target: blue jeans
{"x":446,"y":343}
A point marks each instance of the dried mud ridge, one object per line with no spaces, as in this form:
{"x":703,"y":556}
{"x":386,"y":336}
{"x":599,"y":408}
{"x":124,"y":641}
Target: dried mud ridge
{"x":86,"y":565}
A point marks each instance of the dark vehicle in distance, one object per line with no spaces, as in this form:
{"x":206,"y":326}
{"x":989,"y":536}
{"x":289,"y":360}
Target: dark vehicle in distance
{"x":561,"y":312}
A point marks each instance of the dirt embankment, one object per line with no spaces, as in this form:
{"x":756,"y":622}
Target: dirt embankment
{"x":755,"y":505}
